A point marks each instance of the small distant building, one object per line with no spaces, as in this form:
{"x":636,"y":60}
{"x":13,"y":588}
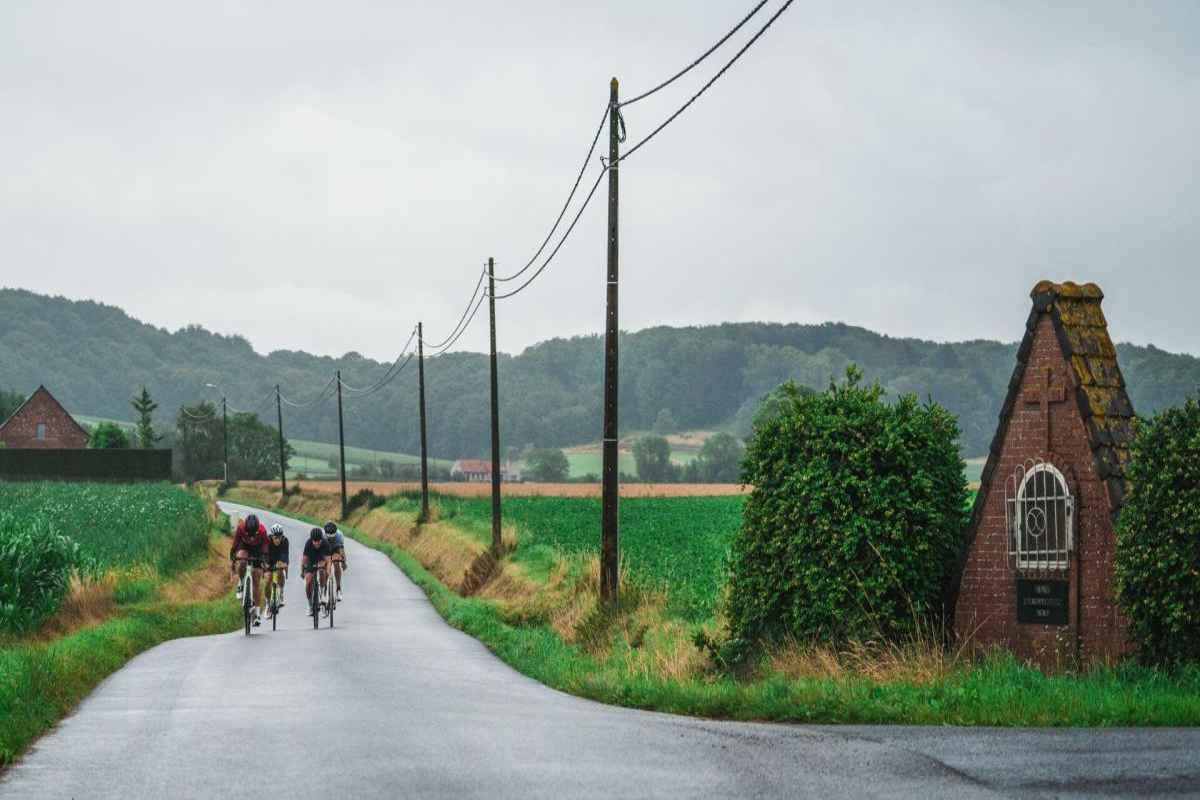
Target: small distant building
{"x":41,"y":423}
{"x":478,"y":469}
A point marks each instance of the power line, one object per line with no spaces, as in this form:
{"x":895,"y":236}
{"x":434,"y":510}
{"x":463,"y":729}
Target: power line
{"x":583,"y":168}
{"x":711,"y":81}
{"x":381,"y":384}
{"x":320,"y":397}
{"x":696,"y":63}
{"x":387,"y":375}
{"x":456,"y":330}
{"x":463,"y":330}
{"x":561,"y":241}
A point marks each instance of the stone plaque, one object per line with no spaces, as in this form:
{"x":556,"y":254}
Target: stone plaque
{"x":1042,"y":602}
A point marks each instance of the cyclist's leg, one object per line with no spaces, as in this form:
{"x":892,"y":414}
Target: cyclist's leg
{"x":239,"y":565}
{"x":337,"y":569}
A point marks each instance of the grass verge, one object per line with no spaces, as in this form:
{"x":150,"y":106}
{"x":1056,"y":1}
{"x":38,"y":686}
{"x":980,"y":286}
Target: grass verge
{"x":547,"y":624}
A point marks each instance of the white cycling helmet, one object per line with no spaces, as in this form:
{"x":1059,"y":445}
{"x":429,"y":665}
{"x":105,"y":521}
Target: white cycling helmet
{"x":277,"y":529}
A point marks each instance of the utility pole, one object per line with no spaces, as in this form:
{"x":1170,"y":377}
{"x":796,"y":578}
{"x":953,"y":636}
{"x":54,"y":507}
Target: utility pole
{"x":609,"y":544}
{"x":421,"y":392}
{"x":341,"y":443}
{"x":495,"y":412}
{"x":282,"y":455}
{"x":225,"y":435}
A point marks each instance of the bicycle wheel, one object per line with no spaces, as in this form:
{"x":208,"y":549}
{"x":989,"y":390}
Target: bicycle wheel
{"x":332,"y":597}
{"x":274,"y":604}
{"x":247,"y":600}
{"x":314,"y":601}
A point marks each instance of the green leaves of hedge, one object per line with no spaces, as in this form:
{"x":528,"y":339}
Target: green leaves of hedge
{"x":1158,"y":539}
{"x":858,"y":511}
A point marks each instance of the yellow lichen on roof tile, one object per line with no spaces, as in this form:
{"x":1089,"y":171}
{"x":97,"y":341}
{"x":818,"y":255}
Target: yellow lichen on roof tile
{"x":1069,"y":289}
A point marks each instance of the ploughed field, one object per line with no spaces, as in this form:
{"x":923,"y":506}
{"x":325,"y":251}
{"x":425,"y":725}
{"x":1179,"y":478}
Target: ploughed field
{"x":484,"y":488}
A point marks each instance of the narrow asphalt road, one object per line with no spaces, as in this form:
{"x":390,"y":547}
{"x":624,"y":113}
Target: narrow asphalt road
{"x":394,"y":703}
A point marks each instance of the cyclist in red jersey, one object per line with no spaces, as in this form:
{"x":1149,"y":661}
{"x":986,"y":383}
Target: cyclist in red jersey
{"x":250,"y":545}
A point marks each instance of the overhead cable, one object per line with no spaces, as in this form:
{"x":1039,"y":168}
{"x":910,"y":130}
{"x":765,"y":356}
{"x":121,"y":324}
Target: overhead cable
{"x":387,"y":376}
{"x":696,"y":63}
{"x":322,"y":395}
{"x":464,"y":328}
{"x":711,"y":81}
{"x":456,"y":330}
{"x":583,"y":168}
{"x":561,"y":241}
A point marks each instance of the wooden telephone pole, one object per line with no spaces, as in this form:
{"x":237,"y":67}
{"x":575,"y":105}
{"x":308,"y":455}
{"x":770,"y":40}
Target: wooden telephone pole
{"x":609,"y":536}
{"x":282,"y":455}
{"x":421,"y":393}
{"x":495,"y":412}
{"x":341,"y":443}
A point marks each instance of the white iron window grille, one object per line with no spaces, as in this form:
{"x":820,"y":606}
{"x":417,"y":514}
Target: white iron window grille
{"x":1040,"y":516}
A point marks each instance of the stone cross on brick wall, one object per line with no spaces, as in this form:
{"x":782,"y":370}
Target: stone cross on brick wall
{"x":1044,"y":395}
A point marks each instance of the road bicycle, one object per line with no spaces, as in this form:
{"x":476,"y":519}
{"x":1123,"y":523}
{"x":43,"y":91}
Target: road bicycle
{"x":247,"y":582}
{"x":314,"y":596}
{"x":330,"y":592}
{"x":275,"y":599}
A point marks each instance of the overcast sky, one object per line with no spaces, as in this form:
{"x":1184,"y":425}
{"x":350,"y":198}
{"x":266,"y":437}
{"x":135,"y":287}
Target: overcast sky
{"x":318,"y":175}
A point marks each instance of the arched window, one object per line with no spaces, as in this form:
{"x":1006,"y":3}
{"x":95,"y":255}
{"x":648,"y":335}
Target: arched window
{"x":1041,"y":518}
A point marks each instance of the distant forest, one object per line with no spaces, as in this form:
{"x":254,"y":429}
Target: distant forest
{"x":95,"y":357}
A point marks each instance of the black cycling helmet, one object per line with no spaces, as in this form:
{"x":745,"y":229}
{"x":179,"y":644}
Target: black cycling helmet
{"x":316,"y":534}
{"x":252,"y":524}
{"x":331,"y":527}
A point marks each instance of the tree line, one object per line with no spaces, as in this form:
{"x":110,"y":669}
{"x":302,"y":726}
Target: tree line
{"x":94,"y":357}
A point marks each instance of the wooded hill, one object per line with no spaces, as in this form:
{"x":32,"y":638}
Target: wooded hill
{"x":95,"y":357}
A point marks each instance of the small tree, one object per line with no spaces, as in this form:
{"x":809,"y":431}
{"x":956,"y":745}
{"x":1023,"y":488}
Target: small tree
{"x":857,"y":515}
{"x":9,"y":403}
{"x":145,"y":407}
{"x":665,"y":422}
{"x":547,"y":465}
{"x":108,"y":436}
{"x":719,"y":460}
{"x":1157,"y":561}
{"x":653,"y":457}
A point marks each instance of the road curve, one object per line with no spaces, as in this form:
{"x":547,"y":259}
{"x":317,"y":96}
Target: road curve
{"x":394,"y":703}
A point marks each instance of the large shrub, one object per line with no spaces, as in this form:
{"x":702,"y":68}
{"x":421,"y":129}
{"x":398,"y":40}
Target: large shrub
{"x":858,"y":511}
{"x":1158,"y":539}
{"x":35,"y":570}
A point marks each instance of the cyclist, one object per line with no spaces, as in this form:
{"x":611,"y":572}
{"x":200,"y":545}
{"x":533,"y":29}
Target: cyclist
{"x":316,"y":557}
{"x":337,"y":553}
{"x":277,"y":557}
{"x":250,"y":546}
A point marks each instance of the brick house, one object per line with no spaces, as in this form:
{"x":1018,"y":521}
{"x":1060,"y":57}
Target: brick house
{"x":42,"y":423}
{"x":1037,"y":572}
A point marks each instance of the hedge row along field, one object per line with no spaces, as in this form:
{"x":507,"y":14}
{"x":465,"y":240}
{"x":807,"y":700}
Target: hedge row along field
{"x":50,"y":531}
{"x":676,"y":543}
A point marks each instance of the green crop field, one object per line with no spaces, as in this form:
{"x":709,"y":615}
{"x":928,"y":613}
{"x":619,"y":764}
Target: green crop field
{"x":675,"y":543}
{"x":115,"y":525}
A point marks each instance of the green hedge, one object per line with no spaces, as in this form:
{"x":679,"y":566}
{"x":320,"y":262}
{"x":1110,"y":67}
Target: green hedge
{"x":95,"y":465}
{"x":857,"y":514}
{"x":1158,"y":539}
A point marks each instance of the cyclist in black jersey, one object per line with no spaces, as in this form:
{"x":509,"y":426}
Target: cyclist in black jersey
{"x":277,"y":556}
{"x":315,"y":559}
